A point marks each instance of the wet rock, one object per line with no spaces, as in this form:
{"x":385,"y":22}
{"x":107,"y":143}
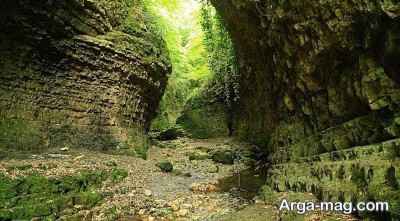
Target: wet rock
{"x":170,"y":134}
{"x":223,"y":156}
{"x":166,"y":166}
{"x":198,"y":156}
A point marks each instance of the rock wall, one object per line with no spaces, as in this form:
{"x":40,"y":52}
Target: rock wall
{"x":320,"y":77}
{"x":81,"y":73}
{"x":310,"y":66}
{"x":204,"y":120}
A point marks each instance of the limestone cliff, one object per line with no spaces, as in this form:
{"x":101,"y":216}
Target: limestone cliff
{"x":82,"y":73}
{"x":321,"y":77}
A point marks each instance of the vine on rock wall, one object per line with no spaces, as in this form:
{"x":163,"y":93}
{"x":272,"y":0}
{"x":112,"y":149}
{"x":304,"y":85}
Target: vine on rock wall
{"x":224,"y":86}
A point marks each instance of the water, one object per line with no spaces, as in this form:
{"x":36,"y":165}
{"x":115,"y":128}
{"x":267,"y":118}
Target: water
{"x":246,"y":184}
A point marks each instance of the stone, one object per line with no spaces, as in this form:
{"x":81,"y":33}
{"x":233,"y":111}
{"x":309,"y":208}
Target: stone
{"x":80,"y":157}
{"x":223,"y":156}
{"x":170,"y":134}
{"x":174,"y":206}
{"x":203,"y":188}
{"x":64,"y":149}
{"x":165,"y":166}
{"x":142,"y":212}
{"x":182,"y":213}
{"x":187,"y":206}
{"x":212,"y":168}
{"x":198,"y":156}
{"x":148,"y":192}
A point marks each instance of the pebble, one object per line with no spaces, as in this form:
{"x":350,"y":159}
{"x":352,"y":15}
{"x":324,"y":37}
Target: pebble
{"x":203,"y":187}
{"x":79,"y":157}
{"x":142,"y":212}
{"x":182,"y":213}
{"x":148,"y":192}
{"x":174,"y":206}
{"x":213,"y":169}
{"x":187,"y":206}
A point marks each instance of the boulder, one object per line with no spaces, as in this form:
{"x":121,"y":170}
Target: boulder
{"x":170,"y":134}
{"x":223,"y":156}
{"x":166,"y":166}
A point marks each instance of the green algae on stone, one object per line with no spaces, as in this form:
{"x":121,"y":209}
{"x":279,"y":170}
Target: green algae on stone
{"x":165,"y":166}
{"x":36,"y":196}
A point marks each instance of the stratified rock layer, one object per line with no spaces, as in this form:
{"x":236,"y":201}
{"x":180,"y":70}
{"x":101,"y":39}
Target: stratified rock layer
{"x":320,"y":77}
{"x":309,"y":66}
{"x":81,"y":73}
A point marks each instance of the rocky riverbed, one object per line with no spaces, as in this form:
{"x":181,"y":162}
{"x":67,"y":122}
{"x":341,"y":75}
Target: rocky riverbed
{"x":210,"y":180}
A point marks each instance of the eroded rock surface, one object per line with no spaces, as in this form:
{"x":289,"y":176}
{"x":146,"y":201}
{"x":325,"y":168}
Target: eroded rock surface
{"x":86,"y":73}
{"x":319,"y":79}
{"x":310,"y":66}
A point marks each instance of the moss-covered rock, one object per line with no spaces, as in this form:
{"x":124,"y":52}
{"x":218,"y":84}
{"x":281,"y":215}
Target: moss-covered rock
{"x":165,"y":166}
{"x":83,"y":74}
{"x":170,"y":134}
{"x":204,"y":120}
{"x":223,"y":156}
{"x":309,"y":67}
{"x":36,"y":196}
{"x":198,"y":156}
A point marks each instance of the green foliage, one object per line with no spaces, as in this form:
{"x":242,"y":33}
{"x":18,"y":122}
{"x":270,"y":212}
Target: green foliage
{"x":165,"y":166}
{"x":269,"y":194}
{"x":178,"y":22}
{"x":46,"y":198}
{"x":117,"y":175}
{"x":224,"y":85}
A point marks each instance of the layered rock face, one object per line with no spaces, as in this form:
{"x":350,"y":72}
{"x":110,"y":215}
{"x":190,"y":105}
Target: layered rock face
{"x":321,"y":77}
{"x":82,"y":73}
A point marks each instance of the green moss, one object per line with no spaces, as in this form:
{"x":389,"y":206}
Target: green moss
{"x":46,"y":198}
{"x":198,"y":156}
{"x":223,"y":156}
{"x":390,"y":178}
{"x":88,"y":199}
{"x":117,"y":175}
{"x":19,"y":134}
{"x":165,"y":166}
{"x":207,"y":121}
{"x":358,"y":176}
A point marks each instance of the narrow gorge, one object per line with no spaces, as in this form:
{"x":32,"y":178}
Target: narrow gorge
{"x":214,"y":110}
